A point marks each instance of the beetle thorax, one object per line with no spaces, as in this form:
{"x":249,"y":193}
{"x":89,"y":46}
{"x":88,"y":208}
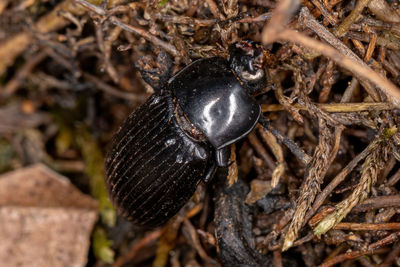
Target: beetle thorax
{"x":213,"y":100}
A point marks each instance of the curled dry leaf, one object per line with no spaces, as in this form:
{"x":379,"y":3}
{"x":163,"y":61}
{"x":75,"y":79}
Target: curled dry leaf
{"x":259,"y":188}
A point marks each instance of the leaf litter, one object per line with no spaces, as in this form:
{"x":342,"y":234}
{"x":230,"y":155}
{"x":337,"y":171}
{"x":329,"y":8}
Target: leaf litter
{"x":68,"y":77}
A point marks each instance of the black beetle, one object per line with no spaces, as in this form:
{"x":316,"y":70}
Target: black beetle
{"x":182,"y":133}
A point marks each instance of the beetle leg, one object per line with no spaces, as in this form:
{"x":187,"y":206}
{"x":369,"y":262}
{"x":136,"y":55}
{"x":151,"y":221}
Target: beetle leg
{"x":210,"y":172}
{"x":155,"y":73}
{"x":222,"y":156}
{"x":295,"y":149}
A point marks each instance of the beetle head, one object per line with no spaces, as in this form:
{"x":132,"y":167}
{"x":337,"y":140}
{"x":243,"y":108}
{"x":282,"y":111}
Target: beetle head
{"x":246,"y":58}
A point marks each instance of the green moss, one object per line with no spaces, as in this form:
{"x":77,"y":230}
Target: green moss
{"x":102,"y":246}
{"x":162,"y":3}
{"x":389,"y":132}
{"x":94,"y":161}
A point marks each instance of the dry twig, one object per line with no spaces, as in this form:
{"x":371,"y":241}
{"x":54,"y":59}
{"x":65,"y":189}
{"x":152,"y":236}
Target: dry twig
{"x":334,"y":107}
{"x":373,"y":163}
{"x":315,"y":173}
{"x":136,"y":30}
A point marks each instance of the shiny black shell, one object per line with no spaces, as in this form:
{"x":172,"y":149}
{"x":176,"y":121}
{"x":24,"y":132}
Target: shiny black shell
{"x":154,"y":168}
{"x":214,"y":101}
{"x":177,"y":138}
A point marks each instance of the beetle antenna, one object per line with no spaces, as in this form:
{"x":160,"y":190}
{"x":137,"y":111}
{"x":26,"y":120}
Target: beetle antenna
{"x":295,"y":149}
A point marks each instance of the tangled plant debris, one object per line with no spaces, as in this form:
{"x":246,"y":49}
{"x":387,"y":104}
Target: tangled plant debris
{"x":69,"y":76}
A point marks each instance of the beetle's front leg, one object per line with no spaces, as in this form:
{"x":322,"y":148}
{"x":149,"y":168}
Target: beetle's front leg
{"x":295,"y":149}
{"x":222,"y":156}
{"x":155,"y":73}
{"x":210,"y":172}
{"x":222,"y":159}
